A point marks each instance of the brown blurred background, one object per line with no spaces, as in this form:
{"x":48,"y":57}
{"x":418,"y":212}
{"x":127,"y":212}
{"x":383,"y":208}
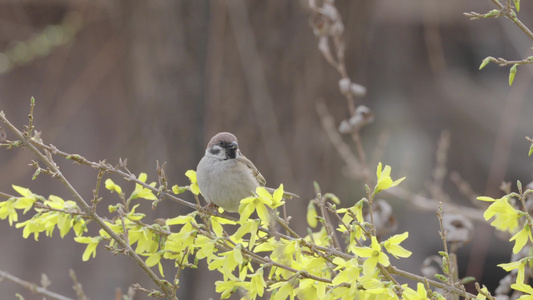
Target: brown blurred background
{"x":154,"y":80}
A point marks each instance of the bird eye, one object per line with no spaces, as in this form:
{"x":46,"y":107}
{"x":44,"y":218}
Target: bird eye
{"x":221,"y":143}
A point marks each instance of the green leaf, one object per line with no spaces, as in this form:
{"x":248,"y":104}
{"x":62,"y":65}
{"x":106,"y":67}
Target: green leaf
{"x":468,"y":279}
{"x":512,"y":73}
{"x":492,"y":13}
{"x":441,"y":277}
{"x":517,"y":5}
{"x":311,"y":215}
{"x":317,"y":187}
{"x":484,"y":63}
{"x":37,"y":172}
{"x":530,"y":149}
{"x":178,"y":189}
{"x":333,"y":198}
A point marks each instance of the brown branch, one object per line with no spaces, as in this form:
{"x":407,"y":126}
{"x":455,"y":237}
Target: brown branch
{"x":511,"y":15}
{"x":329,"y":227}
{"x":48,"y":208}
{"x":433,"y":283}
{"x":29,"y":143}
{"x":78,"y":288}
{"x":4,"y":195}
{"x":109,"y":168}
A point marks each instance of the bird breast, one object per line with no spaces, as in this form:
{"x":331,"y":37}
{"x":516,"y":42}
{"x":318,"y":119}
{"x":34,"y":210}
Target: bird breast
{"x":225,"y":182}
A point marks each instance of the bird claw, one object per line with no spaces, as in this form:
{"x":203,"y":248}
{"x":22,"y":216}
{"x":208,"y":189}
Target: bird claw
{"x":211,"y":208}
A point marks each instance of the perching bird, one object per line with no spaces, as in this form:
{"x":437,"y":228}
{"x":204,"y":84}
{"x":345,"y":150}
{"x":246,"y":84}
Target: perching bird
{"x":225,"y":176}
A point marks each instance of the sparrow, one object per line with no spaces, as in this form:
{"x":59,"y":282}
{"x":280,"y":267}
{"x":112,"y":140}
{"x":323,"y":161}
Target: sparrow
{"x":225,"y":176}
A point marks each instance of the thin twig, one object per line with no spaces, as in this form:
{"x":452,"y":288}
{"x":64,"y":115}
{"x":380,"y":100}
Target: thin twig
{"x":77,"y":286}
{"x":329,"y":227}
{"x":108,"y":168}
{"x":434,"y":283}
{"x":83,"y":204}
{"x":4,"y":195}
{"x":34,"y":288}
{"x":447,"y":260}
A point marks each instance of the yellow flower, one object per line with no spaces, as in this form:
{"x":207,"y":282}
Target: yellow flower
{"x":505,"y":215}
{"x":419,"y":294}
{"x":194,"y":184}
{"x":142,"y":192}
{"x":524,"y":288}
{"x":520,"y":265}
{"x":393,"y":245}
{"x":384,"y":180}
{"x":521,"y":238}
{"x":260,"y":204}
{"x":110,"y":185}
{"x":481,"y":296}
{"x":374,"y":254}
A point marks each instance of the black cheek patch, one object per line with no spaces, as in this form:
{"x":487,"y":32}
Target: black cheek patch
{"x":214,"y":151}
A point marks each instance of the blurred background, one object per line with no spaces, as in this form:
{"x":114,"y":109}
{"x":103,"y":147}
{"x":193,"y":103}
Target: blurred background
{"x":154,"y":80}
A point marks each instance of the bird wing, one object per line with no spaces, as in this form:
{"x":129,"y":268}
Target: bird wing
{"x":254,"y":170}
{"x":261,"y":179}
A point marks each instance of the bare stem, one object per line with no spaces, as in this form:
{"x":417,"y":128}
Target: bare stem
{"x":433,"y":283}
{"x":83,"y":204}
{"x":4,"y":195}
{"x":34,"y":288}
{"x":329,"y":228}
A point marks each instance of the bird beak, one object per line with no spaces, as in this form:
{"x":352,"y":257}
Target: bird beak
{"x":233,"y":146}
